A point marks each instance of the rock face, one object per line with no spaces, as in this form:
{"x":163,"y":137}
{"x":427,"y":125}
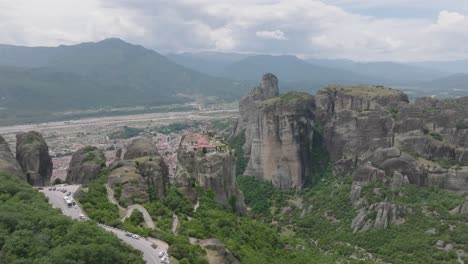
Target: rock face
{"x":141,"y":176}
{"x":378,"y":216}
{"x":140,"y":147}
{"x":214,"y":171}
{"x":462,"y":209}
{"x":279,"y":133}
{"x":85,"y":165}
{"x":8,"y":163}
{"x":32,"y":154}
{"x":217,"y":252}
{"x":376,"y":135}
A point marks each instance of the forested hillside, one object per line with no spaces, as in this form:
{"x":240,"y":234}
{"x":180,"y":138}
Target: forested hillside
{"x":110,"y":73}
{"x":32,"y":232}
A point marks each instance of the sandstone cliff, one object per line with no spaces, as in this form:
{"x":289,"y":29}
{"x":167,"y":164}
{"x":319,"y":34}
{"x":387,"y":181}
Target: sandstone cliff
{"x":85,"y":165}
{"x":279,"y":132}
{"x":32,"y":154}
{"x":141,"y":176}
{"x":375,"y":134}
{"x":8,"y":163}
{"x":214,"y":171}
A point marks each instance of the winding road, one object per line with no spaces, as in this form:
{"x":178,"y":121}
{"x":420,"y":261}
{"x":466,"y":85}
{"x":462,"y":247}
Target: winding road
{"x":146,"y":216}
{"x":129,"y":210}
{"x":150,"y":254}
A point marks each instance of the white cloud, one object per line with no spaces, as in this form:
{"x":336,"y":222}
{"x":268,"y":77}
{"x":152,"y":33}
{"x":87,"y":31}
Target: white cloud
{"x":450,"y":22}
{"x":311,"y":27}
{"x":276,"y":34}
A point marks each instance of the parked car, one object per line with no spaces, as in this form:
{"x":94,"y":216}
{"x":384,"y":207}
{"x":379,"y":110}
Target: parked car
{"x":64,"y":191}
{"x":128,"y":234}
{"x":50,"y":189}
{"x":161,"y":254}
{"x":69,"y":193}
{"x":154,"y":246}
{"x":136,"y":237}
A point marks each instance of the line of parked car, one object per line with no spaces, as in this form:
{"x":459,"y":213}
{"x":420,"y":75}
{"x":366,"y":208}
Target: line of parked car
{"x":164,"y":258}
{"x":60,"y":190}
{"x":134,"y":236}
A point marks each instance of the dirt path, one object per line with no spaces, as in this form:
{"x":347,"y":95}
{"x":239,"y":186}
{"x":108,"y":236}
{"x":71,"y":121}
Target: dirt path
{"x":175,"y":223}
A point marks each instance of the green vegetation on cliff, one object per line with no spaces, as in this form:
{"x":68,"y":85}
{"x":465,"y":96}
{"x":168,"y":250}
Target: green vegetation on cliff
{"x":290,"y":97}
{"x":324,"y":213}
{"x":32,"y":232}
{"x":362,"y":90}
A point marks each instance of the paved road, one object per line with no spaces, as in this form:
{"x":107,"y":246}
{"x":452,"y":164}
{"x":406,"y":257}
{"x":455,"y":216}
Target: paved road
{"x":150,"y":255}
{"x":57,"y":201}
{"x":146,"y":216}
{"x":128,"y":212}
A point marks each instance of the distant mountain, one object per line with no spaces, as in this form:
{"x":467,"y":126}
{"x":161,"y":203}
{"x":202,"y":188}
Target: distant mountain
{"x":107,"y":73}
{"x":389,"y":73}
{"x":457,"y":66}
{"x":292,"y":70}
{"x":212,"y":63}
{"x":451,"y":86}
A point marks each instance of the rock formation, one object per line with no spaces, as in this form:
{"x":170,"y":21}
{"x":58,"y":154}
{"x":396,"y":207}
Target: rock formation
{"x":279,"y":133}
{"x":218,"y":252}
{"x":376,"y":135}
{"x":140,"y":147}
{"x":378,"y":216}
{"x":8,"y":163}
{"x":462,"y":209}
{"x":141,"y":176}
{"x":32,"y":154}
{"x":210,"y":165}
{"x":85,"y":165}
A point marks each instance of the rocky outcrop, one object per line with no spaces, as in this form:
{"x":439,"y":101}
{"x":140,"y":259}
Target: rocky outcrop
{"x":378,"y":216}
{"x":85,"y":165}
{"x":214,"y":171}
{"x":218,"y":252}
{"x":140,"y":147}
{"x":268,"y":88}
{"x":376,"y":135}
{"x":141,"y":176}
{"x":279,"y":135}
{"x":8,"y":163}
{"x":462,"y":209}
{"x":32,"y":154}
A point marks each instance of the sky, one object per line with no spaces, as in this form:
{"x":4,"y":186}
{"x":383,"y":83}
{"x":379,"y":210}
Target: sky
{"x":365,"y":30}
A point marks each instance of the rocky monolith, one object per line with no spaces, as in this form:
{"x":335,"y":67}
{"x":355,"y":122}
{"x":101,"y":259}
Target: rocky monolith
{"x":32,"y":154}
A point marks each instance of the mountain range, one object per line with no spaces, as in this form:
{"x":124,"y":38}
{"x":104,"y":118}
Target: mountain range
{"x":36,"y":81}
{"x":107,"y":73}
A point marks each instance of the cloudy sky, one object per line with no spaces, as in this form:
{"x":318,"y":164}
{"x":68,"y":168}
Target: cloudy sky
{"x":399,"y":30}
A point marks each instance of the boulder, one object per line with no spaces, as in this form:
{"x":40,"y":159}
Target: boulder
{"x":217,"y":252}
{"x":32,"y":154}
{"x":461,"y":209}
{"x":8,"y":163}
{"x":85,"y":165}
{"x":378,"y":216}
{"x":140,"y":147}
{"x":214,"y":171}
{"x":128,"y":184}
{"x":141,"y":176}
